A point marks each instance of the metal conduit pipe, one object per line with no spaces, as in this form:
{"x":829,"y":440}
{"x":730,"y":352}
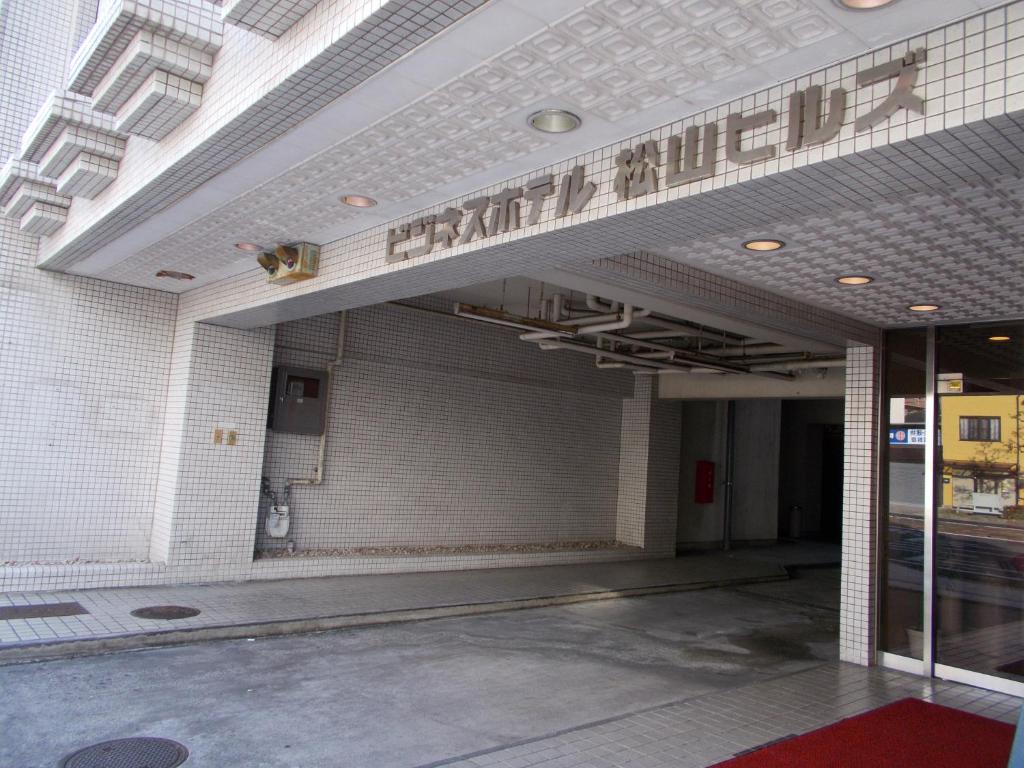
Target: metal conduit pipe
{"x":613,"y":325}
{"x":800,"y":365}
{"x":696,"y":360}
{"x":646,"y":356}
{"x":673,"y":325}
{"x":665,"y":334}
{"x":593,"y":324}
{"x":557,"y":307}
{"x":639,"y":362}
{"x":740,"y":351}
{"x":318,"y":475}
{"x":594,"y":303}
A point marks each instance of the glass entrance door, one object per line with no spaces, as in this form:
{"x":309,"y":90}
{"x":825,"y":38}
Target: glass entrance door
{"x":979,"y":500}
{"x":952,"y":581}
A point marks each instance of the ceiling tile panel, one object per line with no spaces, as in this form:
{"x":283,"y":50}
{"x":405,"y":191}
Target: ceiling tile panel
{"x":612,"y":59}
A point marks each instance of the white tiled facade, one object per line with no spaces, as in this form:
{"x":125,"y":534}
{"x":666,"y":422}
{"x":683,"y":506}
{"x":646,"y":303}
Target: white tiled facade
{"x":978,"y":121}
{"x":860,"y":506}
{"x":83,"y":362}
{"x":441,"y":433}
{"x":447,"y":432}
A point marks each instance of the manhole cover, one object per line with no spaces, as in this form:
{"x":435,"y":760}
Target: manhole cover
{"x":142,"y":752}
{"x":165,"y":612}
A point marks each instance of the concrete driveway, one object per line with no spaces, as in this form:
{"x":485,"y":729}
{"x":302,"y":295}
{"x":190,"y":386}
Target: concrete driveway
{"x":412,"y":694}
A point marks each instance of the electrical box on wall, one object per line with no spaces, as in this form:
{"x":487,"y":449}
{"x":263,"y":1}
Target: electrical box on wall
{"x":298,"y":399}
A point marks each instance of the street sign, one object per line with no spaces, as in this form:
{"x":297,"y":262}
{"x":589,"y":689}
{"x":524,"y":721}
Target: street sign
{"x":906,"y":436}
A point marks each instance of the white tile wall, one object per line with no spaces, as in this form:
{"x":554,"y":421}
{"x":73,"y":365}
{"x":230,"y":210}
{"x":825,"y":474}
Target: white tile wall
{"x":207,"y":494}
{"x":83,"y":363}
{"x":218,"y":485}
{"x":649,"y":470}
{"x":448,"y":432}
{"x":258,"y":90}
{"x":860,"y":507}
{"x":270,"y":18}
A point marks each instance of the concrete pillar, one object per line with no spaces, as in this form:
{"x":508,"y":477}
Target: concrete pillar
{"x":208,"y":492}
{"x":755,"y":501}
{"x":860,"y":507}
{"x":648,"y":470}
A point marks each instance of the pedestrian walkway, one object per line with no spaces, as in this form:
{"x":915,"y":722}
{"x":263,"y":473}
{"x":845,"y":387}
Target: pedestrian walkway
{"x":708,"y":729}
{"x":99,"y":620}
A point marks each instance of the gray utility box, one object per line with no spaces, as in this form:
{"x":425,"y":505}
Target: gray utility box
{"x":298,"y":400}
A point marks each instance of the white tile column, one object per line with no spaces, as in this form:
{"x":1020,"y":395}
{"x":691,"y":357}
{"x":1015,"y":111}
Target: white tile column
{"x":648,"y":470}
{"x":208,"y":492}
{"x":860,"y":507}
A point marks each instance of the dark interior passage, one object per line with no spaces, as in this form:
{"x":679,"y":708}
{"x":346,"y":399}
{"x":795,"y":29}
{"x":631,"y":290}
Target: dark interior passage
{"x":786,"y":476}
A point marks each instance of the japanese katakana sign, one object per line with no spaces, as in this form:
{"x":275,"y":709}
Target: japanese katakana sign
{"x":813,"y":119}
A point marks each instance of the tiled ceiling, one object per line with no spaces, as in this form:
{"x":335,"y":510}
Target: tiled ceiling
{"x":961,"y":249}
{"x":891,"y":192}
{"x":625,"y":65}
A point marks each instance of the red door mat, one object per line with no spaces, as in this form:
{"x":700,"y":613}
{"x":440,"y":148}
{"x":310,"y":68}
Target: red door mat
{"x":906,"y":734}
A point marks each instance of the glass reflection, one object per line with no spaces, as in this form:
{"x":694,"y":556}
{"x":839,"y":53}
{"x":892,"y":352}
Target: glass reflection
{"x":903,"y":563}
{"x":980,"y":514}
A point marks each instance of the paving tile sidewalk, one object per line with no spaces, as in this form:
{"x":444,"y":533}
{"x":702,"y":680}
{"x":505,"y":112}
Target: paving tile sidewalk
{"x":711,"y":728}
{"x":294,"y":605}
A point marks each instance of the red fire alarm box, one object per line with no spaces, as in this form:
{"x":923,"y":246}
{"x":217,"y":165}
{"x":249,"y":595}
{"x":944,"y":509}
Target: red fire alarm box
{"x":704,"y":483}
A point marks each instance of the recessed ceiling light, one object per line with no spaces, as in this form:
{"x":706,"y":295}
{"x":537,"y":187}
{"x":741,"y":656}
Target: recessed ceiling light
{"x":923,"y":307}
{"x":998,"y":338}
{"x":358,"y":201}
{"x":250,"y":247}
{"x":864,"y":5}
{"x":175,"y":275}
{"x":855,"y":280}
{"x":554,"y":121}
{"x":763,"y":245}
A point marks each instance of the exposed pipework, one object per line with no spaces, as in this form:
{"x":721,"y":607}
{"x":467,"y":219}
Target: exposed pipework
{"x":742,"y":350}
{"x":594,"y":303}
{"x":546,"y":328}
{"x":800,"y":365}
{"x":692,"y":358}
{"x":605,"y":353}
{"x":616,"y":347}
{"x":318,"y":476}
{"x":585,"y":326}
{"x":665,"y":334}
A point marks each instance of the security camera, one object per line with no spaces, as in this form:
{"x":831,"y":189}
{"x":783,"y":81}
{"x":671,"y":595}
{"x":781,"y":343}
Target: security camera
{"x":287,"y":255}
{"x":289,"y":263}
{"x":269,"y":262}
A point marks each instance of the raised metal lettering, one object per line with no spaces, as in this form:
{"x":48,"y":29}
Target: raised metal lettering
{"x":735,"y":125}
{"x":682,"y":165}
{"x":905,"y":69}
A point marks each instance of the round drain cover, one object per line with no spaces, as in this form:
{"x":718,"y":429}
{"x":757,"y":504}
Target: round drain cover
{"x":142,"y":752}
{"x":165,"y":612}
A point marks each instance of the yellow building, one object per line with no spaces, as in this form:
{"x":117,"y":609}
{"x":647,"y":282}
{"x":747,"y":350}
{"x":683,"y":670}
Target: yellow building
{"x":981,"y":452}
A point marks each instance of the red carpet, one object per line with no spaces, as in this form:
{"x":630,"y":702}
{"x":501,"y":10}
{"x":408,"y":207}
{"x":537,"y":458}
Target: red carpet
{"x":906,"y":734}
